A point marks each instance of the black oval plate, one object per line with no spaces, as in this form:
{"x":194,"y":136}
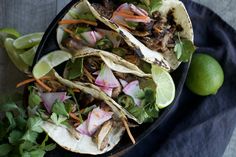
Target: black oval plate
{"x":49,"y":43}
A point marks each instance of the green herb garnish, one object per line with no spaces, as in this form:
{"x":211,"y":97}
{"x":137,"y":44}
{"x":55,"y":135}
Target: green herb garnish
{"x":104,"y":44}
{"x":59,"y":108}
{"x":151,"y":5}
{"x":146,"y":111}
{"x":74,"y":69}
{"x":119,"y":51}
{"x":184,"y":49}
{"x":18,"y":132}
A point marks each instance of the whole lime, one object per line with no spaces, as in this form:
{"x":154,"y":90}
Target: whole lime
{"x":205,"y":75}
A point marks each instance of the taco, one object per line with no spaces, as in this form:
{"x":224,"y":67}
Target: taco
{"x":134,"y":92}
{"x":77,"y":116}
{"x":81,"y":28}
{"x":118,"y":83}
{"x":157,"y":30}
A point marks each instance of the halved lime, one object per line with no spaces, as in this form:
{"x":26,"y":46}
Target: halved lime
{"x":28,"y":41}
{"x":49,"y":61}
{"x":14,"y":55}
{"x":165,"y":90}
{"x":28,"y":56}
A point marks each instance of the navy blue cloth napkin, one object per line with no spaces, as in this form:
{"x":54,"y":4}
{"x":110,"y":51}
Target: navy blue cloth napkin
{"x":200,"y":126}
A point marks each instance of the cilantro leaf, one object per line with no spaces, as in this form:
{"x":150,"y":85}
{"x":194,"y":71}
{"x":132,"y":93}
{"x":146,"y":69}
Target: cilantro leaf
{"x":36,"y":153}
{"x":43,"y":114}
{"x":178,"y":49}
{"x":155,"y":5}
{"x":44,"y":141}
{"x":20,"y":122}
{"x":9,"y":106}
{"x":88,"y":109}
{"x":5,"y":149}
{"x":15,"y":136}
{"x":58,"y":119}
{"x":9,"y":103}
{"x":34,"y":99}
{"x":12,"y":123}
{"x":188,"y":50}
{"x":137,"y":111}
{"x":19,"y":131}
{"x":25,"y":146}
{"x":149,"y":103}
{"x":86,"y":16}
{"x":34,"y":124}
{"x":30,"y":136}
{"x":59,"y":108}
{"x":184,"y":49}
{"x":76,"y":102}
{"x":74,"y":69}
{"x":48,"y":147}
{"x":146,"y":111}
{"x":80,"y":30}
{"x":132,"y":24}
{"x":152,"y":5}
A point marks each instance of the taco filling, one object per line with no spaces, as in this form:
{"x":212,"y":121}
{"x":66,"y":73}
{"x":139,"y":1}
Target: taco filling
{"x":132,"y":91}
{"x":79,"y":28}
{"x":80,"y":114}
{"x":154,"y":30}
{"x":160,"y":30}
{"x":135,"y":94}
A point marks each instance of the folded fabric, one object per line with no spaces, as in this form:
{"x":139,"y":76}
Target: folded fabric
{"x":200,"y":126}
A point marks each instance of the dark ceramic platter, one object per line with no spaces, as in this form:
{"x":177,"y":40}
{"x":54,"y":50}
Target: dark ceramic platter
{"x":49,"y":43}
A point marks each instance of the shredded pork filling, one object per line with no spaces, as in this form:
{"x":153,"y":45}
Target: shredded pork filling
{"x":159,"y":34}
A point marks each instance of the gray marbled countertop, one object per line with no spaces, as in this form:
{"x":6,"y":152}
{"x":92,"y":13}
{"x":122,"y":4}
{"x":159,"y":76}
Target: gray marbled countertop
{"x":32,"y":16}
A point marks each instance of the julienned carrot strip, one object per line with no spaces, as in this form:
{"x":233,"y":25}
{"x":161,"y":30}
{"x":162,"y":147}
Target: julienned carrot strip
{"x":72,"y":34}
{"x":76,"y":90}
{"x":130,"y":16}
{"x":126,"y":12}
{"x":66,"y":21}
{"x":22,"y":83}
{"x":68,"y":31}
{"x":43,"y":85}
{"x":72,"y":115}
{"x":128,"y":130}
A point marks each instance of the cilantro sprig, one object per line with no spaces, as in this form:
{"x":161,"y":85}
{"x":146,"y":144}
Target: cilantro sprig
{"x":147,"y":111}
{"x":19,"y":133}
{"x":152,"y":5}
{"x":184,"y":49}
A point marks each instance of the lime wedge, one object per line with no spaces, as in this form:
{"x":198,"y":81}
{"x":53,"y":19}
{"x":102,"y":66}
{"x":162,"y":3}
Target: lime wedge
{"x":28,"y":56}
{"x":11,"y":32}
{"x":14,"y":55}
{"x":28,"y":41}
{"x":7,"y":33}
{"x":165,"y":90}
{"x":49,"y":61}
